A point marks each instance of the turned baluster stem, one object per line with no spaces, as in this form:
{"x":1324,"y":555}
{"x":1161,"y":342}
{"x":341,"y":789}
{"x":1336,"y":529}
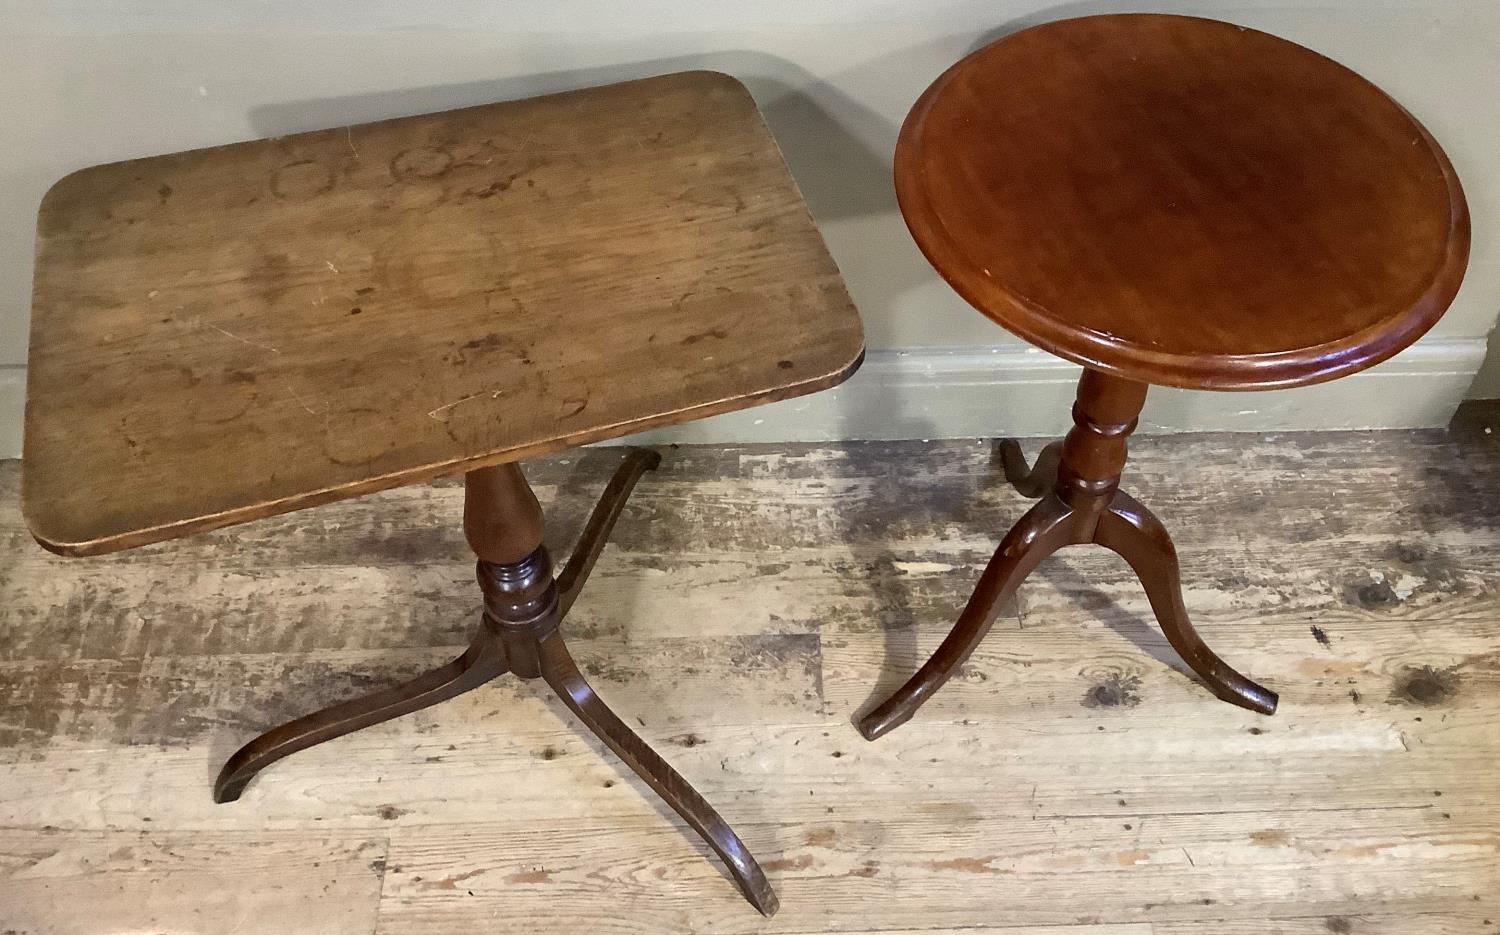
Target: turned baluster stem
{"x":503,"y":523}
{"x":502,"y":519}
{"x":1094,"y":451}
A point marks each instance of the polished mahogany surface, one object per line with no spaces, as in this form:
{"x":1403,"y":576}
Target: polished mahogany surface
{"x":1183,"y":201}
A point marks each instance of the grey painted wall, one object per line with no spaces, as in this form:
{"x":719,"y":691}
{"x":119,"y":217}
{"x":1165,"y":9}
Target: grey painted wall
{"x":87,"y":85}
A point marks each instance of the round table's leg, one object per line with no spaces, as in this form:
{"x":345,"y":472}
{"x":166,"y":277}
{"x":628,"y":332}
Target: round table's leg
{"x":1033,"y":481}
{"x":1131,"y":530}
{"x":1045,"y":528}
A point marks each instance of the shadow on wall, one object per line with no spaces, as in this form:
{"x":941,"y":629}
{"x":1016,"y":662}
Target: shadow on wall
{"x":1079,"y":8}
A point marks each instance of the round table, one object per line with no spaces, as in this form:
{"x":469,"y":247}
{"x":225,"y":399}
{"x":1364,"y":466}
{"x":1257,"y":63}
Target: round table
{"x":1169,"y":200}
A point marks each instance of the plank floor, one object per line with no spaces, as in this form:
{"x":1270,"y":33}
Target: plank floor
{"x":1074,"y":781}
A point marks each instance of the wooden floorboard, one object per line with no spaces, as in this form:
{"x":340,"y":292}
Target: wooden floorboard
{"x":248,"y":880}
{"x":1075,"y":779}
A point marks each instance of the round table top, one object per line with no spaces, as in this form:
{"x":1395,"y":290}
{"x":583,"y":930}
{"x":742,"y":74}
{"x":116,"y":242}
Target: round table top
{"x":1183,"y":201}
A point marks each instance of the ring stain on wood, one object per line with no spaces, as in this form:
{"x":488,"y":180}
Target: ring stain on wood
{"x":298,"y":181}
{"x":422,"y":162}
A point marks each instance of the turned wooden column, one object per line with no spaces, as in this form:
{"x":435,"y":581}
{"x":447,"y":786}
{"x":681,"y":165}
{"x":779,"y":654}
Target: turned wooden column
{"x":502,"y":519}
{"x":1093,"y":453}
{"x":503,"y":523}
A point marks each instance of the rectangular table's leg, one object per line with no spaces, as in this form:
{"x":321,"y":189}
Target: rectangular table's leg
{"x":524,"y":605}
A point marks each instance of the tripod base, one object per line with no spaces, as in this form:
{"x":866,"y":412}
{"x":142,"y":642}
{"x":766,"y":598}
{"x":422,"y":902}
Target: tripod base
{"x":519,"y":635}
{"x":1082,"y":505}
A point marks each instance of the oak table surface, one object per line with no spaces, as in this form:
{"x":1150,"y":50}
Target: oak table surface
{"x":228,"y":333}
{"x":1183,"y":201}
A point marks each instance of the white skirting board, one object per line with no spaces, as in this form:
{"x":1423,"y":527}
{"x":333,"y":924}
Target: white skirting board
{"x":1014,"y":391}
{"x":1018,"y":392}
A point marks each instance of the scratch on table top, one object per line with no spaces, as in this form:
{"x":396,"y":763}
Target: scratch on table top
{"x":242,"y":340}
{"x":349,"y":138}
{"x":300,"y":400}
{"x":440,"y":413}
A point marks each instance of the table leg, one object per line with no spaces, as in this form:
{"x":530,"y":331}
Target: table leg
{"x":1044,"y":529}
{"x":480,"y":663}
{"x":1135,"y":533}
{"x":524,"y":605}
{"x":1034,"y":481}
{"x":601,"y":521}
{"x":561,"y":672}
{"x":1084,"y":506}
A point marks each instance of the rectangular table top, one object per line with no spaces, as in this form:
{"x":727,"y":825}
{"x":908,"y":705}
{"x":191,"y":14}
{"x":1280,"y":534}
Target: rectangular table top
{"x":228,"y":333}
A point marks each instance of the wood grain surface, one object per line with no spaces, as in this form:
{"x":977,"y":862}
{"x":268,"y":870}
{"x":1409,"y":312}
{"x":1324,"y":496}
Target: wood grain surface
{"x":1183,"y":201}
{"x":1072,"y":779}
{"x":228,"y":333}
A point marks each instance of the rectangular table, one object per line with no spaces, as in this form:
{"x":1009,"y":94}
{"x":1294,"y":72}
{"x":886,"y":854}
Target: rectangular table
{"x":230,"y":333}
